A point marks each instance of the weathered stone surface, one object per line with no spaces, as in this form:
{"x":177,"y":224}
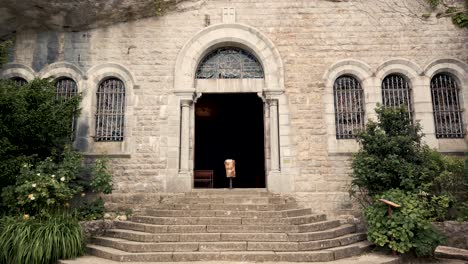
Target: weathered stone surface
{"x":96,"y":227}
{"x":456,"y":233}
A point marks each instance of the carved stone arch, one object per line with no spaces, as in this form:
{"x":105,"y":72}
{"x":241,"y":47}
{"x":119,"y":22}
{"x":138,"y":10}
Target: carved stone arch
{"x":280,"y":177}
{"x":363,"y":73}
{"x":459,"y":71}
{"x":85,"y":139}
{"x":11,"y":70}
{"x":64,"y":69}
{"x":239,"y":35}
{"x":407,"y":68}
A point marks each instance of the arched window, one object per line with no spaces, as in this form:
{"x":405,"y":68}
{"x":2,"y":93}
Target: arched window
{"x":396,"y":92}
{"x":66,"y":88}
{"x":446,"y":106}
{"x":229,"y":63}
{"x":349,"y":106}
{"x":19,"y":81}
{"x":110,"y":110}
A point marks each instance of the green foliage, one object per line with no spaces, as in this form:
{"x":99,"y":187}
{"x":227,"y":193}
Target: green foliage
{"x":408,"y":230}
{"x":391,"y":154}
{"x":92,"y":210}
{"x":41,"y":240}
{"x":47,"y":186}
{"x":459,"y":15}
{"x":34,"y":125}
{"x":161,"y":6}
{"x":101,"y":180}
{"x":5,"y":47}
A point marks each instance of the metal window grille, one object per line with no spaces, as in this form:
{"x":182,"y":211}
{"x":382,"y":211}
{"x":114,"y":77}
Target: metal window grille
{"x":349,"y":107}
{"x":110,"y":110}
{"x":229,"y":63}
{"x":19,"y":81}
{"x":446,"y":106}
{"x":66,"y":88}
{"x":396,"y":92}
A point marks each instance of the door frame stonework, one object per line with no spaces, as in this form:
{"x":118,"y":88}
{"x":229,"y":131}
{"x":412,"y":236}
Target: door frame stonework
{"x":278,"y":159}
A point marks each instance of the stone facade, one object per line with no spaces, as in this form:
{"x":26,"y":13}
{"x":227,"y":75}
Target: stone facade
{"x":303,"y":47}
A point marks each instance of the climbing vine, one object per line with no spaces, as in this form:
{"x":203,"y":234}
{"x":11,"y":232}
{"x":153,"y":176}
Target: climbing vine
{"x":161,"y":6}
{"x":459,"y":15}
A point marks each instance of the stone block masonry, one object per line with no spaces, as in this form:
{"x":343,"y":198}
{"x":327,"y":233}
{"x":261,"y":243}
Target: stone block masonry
{"x":310,"y":36}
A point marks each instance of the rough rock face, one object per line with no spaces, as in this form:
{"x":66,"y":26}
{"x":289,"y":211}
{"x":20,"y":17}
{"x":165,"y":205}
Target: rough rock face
{"x":79,"y":15}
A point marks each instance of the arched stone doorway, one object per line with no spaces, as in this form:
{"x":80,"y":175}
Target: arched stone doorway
{"x":278,"y":158}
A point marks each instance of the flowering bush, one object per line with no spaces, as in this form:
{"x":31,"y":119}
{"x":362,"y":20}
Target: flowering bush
{"x":48,"y":186}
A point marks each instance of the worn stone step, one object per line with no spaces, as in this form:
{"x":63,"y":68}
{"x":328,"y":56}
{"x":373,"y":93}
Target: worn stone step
{"x":228,"y":213}
{"x":241,"y":256}
{"x":330,"y":243}
{"x":351,"y":250}
{"x":321,"y":235}
{"x":188,"y":220}
{"x":318,"y":226}
{"x":222,"y":206}
{"x":150,"y":228}
{"x":307,"y":219}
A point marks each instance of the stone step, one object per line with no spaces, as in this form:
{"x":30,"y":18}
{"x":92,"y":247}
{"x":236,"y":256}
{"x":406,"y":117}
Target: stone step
{"x":151,"y":228}
{"x":228,"y":213}
{"x":230,"y":220}
{"x":257,"y":256}
{"x":322,"y":235}
{"x":318,"y":226}
{"x":227,"y":200}
{"x":222,"y":206}
{"x":138,"y":236}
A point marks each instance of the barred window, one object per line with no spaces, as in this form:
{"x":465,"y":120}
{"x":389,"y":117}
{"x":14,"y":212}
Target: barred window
{"x":110,"y":110}
{"x":446,"y":106}
{"x":66,"y":88}
{"x":19,"y":81}
{"x":396,"y":92}
{"x":229,"y":63}
{"x":349,"y":106}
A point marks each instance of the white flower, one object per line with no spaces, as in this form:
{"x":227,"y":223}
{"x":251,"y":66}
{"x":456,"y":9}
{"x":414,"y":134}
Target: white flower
{"x":53,"y":176}
{"x":38,"y":174}
{"x":32,"y":198}
{"x":34,"y":185}
{"x":62,"y":179}
{"x":25,"y":165}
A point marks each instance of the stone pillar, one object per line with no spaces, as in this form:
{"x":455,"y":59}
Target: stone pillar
{"x":274,"y":136}
{"x":184,"y":135}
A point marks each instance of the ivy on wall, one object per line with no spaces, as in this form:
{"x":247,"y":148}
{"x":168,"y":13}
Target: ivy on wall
{"x":459,"y":15}
{"x":161,"y":6}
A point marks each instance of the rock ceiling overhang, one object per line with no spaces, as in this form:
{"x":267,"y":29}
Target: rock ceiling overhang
{"x":77,"y":15}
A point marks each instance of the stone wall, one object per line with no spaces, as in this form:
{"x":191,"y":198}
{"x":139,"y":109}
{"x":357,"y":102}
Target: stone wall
{"x":455,"y":232}
{"x":310,"y":35}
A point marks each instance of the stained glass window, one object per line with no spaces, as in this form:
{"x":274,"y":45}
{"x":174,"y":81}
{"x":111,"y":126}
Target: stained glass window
{"x":229,"y":63}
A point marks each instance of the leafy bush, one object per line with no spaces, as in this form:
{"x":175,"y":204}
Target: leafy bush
{"x":91,"y":210}
{"x":34,"y":125}
{"x":391,"y":155}
{"x":40,"y":241}
{"x":101,"y":177}
{"x":408,"y":230}
{"x":47,"y":186}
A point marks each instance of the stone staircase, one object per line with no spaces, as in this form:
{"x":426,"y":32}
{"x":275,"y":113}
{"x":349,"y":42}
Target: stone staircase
{"x":229,"y":225}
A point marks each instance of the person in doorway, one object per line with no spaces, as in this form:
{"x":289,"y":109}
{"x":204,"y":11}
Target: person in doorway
{"x":230,"y":166}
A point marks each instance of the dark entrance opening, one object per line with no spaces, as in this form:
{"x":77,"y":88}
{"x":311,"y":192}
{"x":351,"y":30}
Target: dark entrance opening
{"x":230,"y":126}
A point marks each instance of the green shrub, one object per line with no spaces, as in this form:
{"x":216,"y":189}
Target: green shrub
{"x":101,"y":178}
{"x":408,"y":230}
{"x":46,"y":187}
{"x":91,"y":210}
{"x":34,"y":125}
{"x":40,"y":241}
